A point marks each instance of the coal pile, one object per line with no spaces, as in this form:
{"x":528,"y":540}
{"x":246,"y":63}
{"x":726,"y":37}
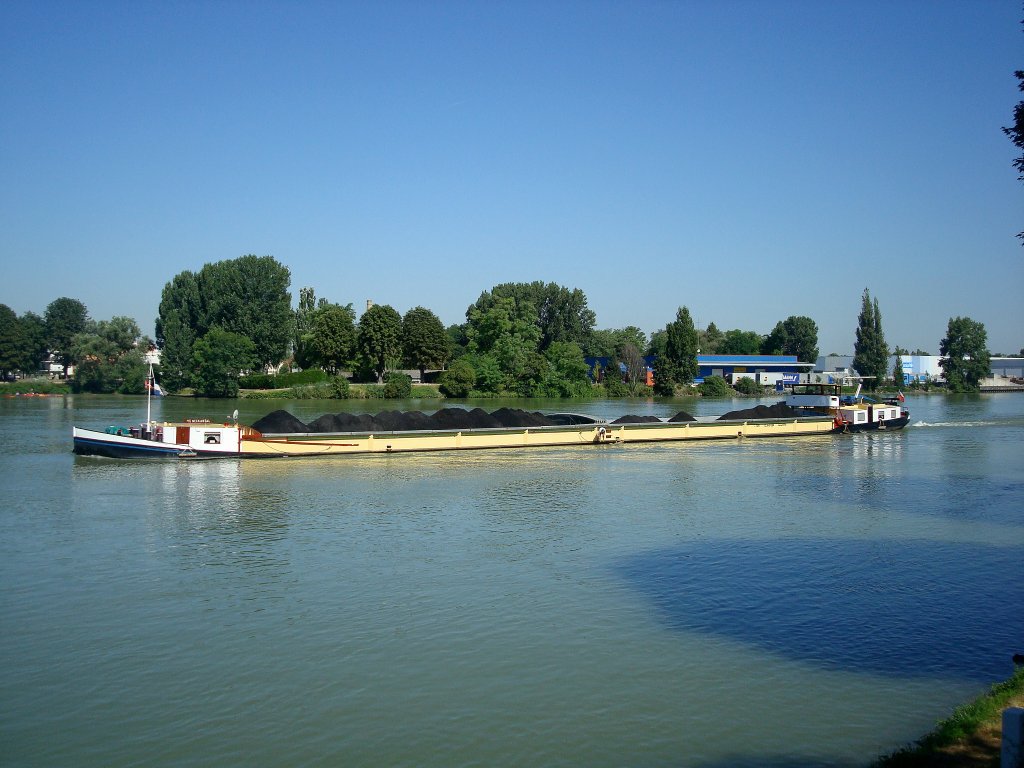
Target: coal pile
{"x":682,"y":416}
{"x":636,"y":420}
{"x":281,"y":422}
{"x":777,"y":411}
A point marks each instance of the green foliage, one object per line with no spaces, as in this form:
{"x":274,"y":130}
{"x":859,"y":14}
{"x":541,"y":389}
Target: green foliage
{"x":10,"y":341}
{"x":678,"y":365}
{"x":282,"y":380}
{"x":714,"y":386}
{"x":870,"y":352}
{"x":1015,"y":133}
{"x":180,"y":319}
{"x":567,"y":373}
{"x":64,"y":319}
{"x":32,"y":345}
{"x":247,"y":296}
{"x":39,"y":386}
{"x":557,"y":313}
{"x":219,"y":358}
{"x":380,"y":339}
{"x":897,"y":369}
{"x":747,"y":386}
{"x":965,"y":359}
{"x":458,"y":380}
{"x":397,"y":386}
{"x":635,"y":377}
{"x":710,"y":340}
{"x":110,"y":357}
{"x":737,"y":342}
{"x":796,"y":335}
{"x":340,"y":388}
{"x":331,"y":341}
{"x":604,"y":343}
{"x":489,"y":376}
{"x":425,"y":342}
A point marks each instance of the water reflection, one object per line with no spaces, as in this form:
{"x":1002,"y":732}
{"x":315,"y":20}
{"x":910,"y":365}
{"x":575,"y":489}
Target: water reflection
{"x":894,"y":607}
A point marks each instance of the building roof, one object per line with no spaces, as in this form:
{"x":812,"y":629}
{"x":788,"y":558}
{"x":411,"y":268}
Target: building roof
{"x":752,"y":361}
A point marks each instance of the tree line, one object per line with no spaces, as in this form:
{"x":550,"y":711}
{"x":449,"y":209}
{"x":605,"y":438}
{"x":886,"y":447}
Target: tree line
{"x":526,"y":339}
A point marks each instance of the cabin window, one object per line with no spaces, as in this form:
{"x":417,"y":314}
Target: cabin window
{"x":211,"y":438}
{"x":861,"y":416}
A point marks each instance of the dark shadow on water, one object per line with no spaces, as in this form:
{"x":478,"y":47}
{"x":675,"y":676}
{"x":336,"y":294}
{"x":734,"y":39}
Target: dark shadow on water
{"x":904,"y":608}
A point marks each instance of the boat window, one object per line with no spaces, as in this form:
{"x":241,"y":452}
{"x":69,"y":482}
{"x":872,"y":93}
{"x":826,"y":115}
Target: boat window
{"x":211,"y":438}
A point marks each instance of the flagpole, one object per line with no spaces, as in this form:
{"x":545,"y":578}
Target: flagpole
{"x":149,"y":394}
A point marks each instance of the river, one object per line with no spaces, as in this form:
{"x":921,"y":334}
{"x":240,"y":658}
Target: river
{"x":796,"y":602}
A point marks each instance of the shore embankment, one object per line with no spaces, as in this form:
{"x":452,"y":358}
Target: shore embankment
{"x":971,"y":737}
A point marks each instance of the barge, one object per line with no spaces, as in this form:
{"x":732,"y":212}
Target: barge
{"x":205,"y":439}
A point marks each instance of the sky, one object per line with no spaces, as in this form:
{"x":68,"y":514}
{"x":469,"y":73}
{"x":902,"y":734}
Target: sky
{"x":747,"y":160}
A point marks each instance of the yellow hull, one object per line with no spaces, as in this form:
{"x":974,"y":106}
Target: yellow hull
{"x":317,"y":444}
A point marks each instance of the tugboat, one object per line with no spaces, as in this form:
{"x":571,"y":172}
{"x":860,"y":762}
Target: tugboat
{"x":850,"y":413}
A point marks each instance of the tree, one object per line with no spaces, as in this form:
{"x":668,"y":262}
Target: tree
{"x":379,"y":340}
{"x":965,"y":359}
{"x":219,"y":358}
{"x":110,"y":357}
{"x":10,"y":341}
{"x":33,"y":340}
{"x":737,"y":342}
{"x":424,"y":340}
{"x":458,"y":380}
{"x":308,"y":306}
{"x":180,"y":320}
{"x":678,"y":365}
{"x":331,"y":340}
{"x":897,"y":369}
{"x":64,"y":318}
{"x":796,"y":335}
{"x":710,"y":339}
{"x":636,"y":367}
{"x":559,"y":313}
{"x":1016,"y":134}
{"x":568,"y":375}
{"x":870,"y":353}
{"x":249,"y":296}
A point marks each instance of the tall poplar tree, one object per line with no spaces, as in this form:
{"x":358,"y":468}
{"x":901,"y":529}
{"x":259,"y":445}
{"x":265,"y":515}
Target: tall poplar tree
{"x":678,"y":365}
{"x":870,"y":353}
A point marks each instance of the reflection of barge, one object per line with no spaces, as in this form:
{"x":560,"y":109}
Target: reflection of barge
{"x":852,"y":413}
{"x":193,"y":439}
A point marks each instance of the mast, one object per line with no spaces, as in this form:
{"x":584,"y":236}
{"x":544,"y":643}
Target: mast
{"x":149,"y":393}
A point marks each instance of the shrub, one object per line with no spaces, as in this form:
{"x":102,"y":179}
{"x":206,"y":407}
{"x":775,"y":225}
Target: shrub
{"x":340,"y":388}
{"x":747,"y":386}
{"x":714,"y":386}
{"x":458,"y":380}
{"x":397,"y":386}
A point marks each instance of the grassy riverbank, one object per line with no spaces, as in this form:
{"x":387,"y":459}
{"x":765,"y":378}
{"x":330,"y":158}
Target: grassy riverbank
{"x":969,"y":738}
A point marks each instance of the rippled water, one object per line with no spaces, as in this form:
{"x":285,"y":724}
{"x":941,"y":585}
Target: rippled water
{"x":812,"y":601}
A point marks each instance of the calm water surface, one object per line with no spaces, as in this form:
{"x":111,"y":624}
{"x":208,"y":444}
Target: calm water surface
{"x":803,"y":602}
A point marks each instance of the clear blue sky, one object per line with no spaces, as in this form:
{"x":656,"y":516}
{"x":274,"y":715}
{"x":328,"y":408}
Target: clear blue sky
{"x":749,"y":160}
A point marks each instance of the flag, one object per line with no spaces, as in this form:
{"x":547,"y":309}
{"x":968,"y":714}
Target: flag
{"x":900,"y":396}
{"x":154,"y":388}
